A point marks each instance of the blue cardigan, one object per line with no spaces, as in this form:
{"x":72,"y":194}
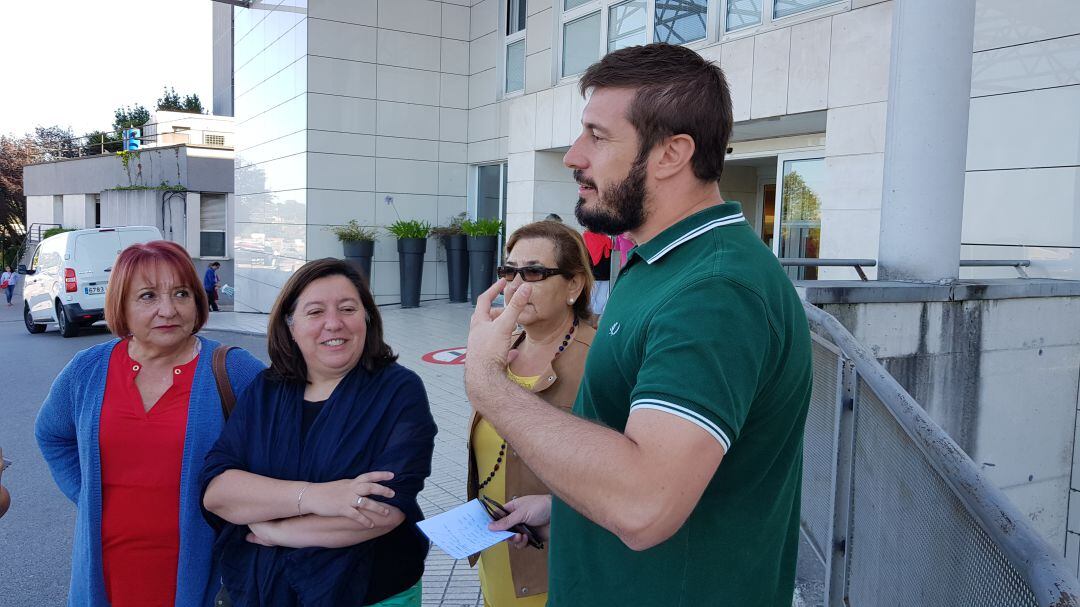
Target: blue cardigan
{"x":67,"y":432}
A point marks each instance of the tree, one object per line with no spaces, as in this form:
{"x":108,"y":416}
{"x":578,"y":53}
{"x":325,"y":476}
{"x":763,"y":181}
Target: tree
{"x":15,"y":153}
{"x":129,"y":117}
{"x":171,"y":101}
{"x":97,"y":142}
{"x":54,"y":142}
{"x":193,"y":104}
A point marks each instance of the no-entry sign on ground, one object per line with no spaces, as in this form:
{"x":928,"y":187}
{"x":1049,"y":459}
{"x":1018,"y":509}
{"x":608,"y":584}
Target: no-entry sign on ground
{"x":450,"y":356}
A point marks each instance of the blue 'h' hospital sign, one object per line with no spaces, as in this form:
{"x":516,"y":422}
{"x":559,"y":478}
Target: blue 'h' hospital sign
{"x":132,"y":139}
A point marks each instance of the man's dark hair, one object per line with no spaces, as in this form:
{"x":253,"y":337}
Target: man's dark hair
{"x":678,"y":93}
{"x":215,"y":265}
{"x":286,"y":360}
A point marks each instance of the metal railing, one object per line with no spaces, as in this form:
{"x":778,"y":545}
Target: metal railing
{"x":895,"y":512}
{"x":1017,"y":264}
{"x":809,"y":262}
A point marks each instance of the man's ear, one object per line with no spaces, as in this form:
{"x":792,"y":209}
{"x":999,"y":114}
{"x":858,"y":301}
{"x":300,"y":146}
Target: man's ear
{"x":672,"y":155}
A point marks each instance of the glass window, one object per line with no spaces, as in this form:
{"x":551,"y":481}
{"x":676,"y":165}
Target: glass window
{"x":800,"y":214}
{"x":569,"y":4}
{"x":581,"y":44}
{"x":681,"y":21}
{"x":626,"y":25}
{"x":783,"y":8}
{"x":515,"y":16}
{"x":515,"y":66}
{"x":212,"y":225}
{"x":742,"y":13}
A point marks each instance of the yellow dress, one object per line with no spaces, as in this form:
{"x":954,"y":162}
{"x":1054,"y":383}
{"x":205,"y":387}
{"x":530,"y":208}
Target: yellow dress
{"x":495,"y":580}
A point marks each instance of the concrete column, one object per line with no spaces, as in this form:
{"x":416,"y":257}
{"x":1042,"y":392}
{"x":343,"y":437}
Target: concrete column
{"x":926,"y":140}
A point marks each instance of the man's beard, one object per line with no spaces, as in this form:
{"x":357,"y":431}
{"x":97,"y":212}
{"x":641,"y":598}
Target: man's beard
{"x":621,"y":208}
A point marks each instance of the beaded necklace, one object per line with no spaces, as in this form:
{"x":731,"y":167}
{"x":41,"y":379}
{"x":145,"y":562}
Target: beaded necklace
{"x":502,"y":448}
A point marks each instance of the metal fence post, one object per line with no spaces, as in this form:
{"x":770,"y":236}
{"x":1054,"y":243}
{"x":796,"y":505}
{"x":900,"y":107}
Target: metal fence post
{"x":839,"y":556}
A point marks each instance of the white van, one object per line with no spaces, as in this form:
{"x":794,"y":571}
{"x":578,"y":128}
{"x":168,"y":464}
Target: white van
{"x":65,"y":283}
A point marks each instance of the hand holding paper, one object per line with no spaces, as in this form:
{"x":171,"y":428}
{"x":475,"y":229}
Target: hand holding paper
{"x":462,"y":531}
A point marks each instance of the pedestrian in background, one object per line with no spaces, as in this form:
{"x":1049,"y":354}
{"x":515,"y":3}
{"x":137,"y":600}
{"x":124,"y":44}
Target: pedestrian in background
{"x":210,"y":282}
{"x":7,"y":283}
{"x":125,"y":429}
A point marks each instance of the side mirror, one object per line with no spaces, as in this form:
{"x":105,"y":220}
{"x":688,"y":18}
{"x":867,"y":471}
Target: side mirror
{"x":22,"y":268}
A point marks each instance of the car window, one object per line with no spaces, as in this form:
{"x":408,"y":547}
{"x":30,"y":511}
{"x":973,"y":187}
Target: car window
{"x":34,"y":262}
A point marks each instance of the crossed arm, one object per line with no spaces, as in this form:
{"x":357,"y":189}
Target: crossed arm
{"x":326,"y":515}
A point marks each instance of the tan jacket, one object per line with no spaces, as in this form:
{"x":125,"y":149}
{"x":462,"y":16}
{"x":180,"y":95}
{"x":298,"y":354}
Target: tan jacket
{"x":557,"y":386}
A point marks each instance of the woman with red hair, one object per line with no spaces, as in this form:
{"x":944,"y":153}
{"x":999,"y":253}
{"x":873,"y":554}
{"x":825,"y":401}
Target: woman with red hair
{"x":125,"y":429}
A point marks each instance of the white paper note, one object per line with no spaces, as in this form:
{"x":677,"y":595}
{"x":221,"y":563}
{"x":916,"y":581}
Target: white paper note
{"x":463,"y":530}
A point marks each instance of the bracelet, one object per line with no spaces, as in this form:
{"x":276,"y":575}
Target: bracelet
{"x":299,"y":498}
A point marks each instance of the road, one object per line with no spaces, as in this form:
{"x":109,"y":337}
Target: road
{"x":35,"y":535}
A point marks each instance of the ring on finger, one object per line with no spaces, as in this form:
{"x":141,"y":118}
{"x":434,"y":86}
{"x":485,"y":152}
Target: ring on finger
{"x":359,"y":500}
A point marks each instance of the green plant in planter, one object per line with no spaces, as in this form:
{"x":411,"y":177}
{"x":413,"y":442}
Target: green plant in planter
{"x":354,"y":232}
{"x":410,"y":228}
{"x":454,"y":228}
{"x":482,"y":227}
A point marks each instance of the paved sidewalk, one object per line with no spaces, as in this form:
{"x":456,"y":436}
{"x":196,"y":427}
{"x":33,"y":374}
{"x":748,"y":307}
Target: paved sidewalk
{"x":413,"y":333}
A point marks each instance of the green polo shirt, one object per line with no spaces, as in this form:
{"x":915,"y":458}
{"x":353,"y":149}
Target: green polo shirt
{"x":703,"y":324}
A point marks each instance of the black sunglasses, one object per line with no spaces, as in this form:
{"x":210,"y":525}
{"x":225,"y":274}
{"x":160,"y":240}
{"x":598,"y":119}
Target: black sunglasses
{"x":528,"y":273}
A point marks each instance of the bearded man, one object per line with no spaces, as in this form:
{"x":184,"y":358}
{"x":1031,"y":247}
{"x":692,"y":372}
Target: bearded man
{"x":677,"y":478}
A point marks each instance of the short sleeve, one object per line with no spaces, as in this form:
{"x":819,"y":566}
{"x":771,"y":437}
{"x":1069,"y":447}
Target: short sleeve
{"x":705,"y":352}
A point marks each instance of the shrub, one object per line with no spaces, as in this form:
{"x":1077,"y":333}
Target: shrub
{"x":482,"y":227}
{"x":410,"y":228}
{"x":354,"y":232}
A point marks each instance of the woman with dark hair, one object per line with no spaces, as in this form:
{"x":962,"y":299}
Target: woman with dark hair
{"x":551,"y":345}
{"x":125,"y":429}
{"x":313,"y":483}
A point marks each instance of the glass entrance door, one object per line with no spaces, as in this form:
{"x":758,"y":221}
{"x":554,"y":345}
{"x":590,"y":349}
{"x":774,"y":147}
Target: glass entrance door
{"x":798,"y":233}
{"x":489,"y":198}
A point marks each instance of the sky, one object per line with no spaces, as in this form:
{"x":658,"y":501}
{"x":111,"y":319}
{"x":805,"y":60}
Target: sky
{"x":73,"y":62}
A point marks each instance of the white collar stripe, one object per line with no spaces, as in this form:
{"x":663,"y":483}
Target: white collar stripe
{"x":698,"y":231}
{"x":691,"y":416}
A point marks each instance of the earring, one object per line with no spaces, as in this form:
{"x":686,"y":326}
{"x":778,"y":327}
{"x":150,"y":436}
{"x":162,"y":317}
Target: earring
{"x":570,"y":301}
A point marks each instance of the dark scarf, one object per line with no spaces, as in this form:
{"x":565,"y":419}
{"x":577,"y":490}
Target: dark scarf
{"x":372,"y":421}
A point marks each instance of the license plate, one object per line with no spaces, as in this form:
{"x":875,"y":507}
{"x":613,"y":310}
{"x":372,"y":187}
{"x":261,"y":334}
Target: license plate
{"x":94,"y":290}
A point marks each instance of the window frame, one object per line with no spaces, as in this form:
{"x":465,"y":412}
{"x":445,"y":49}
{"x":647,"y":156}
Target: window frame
{"x":770,"y":22}
{"x":509,"y":39}
{"x":225,"y":197}
{"x":563,"y":17}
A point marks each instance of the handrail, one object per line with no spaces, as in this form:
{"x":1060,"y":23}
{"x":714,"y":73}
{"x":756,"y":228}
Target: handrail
{"x":1046,"y":573}
{"x":1018,"y":264}
{"x":810,"y":262}
{"x":859,"y":264}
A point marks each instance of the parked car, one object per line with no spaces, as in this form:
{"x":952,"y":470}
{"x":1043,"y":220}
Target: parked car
{"x":65,"y":283}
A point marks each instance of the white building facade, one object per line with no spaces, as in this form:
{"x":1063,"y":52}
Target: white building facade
{"x":420,"y":109}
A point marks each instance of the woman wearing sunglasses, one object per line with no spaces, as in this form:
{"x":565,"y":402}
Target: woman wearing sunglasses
{"x":551,"y":345}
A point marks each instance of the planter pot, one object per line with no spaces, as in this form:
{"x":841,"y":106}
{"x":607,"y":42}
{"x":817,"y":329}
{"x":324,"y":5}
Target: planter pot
{"x":457,"y":267}
{"x":481,"y":264}
{"x":359,"y":253}
{"x":411,"y":258}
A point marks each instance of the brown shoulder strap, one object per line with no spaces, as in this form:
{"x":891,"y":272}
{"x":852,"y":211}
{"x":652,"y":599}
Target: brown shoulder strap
{"x":221,"y":376}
